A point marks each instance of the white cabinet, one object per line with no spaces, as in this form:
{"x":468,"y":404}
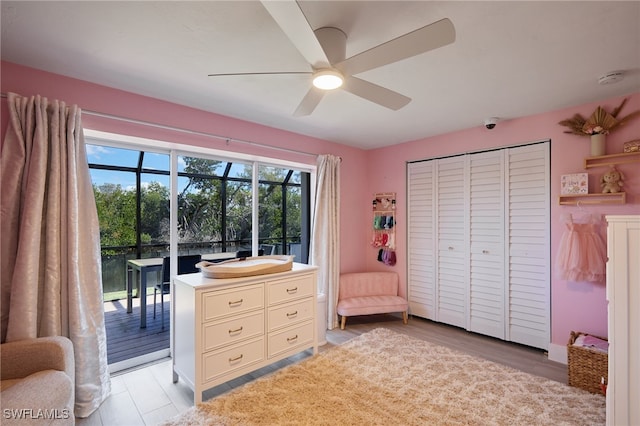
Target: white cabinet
{"x":478,"y":242}
{"x":623,"y":294}
{"x":224,"y":328}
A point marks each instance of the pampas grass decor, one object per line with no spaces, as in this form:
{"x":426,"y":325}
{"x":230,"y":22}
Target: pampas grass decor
{"x":600,"y":122}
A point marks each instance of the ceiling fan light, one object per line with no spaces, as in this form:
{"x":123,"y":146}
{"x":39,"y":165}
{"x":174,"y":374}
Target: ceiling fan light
{"x":327,"y":79}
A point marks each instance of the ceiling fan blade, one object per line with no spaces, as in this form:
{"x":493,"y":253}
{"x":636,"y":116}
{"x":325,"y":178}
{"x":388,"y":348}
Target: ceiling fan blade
{"x":309,"y":102}
{"x":259,"y":73}
{"x":422,"y":40}
{"x":292,"y":21}
{"x":374,"y":93}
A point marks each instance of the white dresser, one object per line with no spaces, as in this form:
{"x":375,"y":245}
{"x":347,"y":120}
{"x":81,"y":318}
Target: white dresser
{"x":225,"y":328}
{"x":623,"y":294}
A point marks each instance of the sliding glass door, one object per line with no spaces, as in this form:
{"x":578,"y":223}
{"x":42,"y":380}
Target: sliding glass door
{"x":215,"y":201}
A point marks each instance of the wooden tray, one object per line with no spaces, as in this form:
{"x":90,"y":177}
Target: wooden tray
{"x":246,"y":266}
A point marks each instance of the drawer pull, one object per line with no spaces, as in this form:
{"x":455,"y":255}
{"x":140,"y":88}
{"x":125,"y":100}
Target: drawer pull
{"x":292,"y":290}
{"x":237,"y":330}
{"x":292,"y":339}
{"x":238,"y":358}
{"x":236,"y":303}
{"x":292,"y":314}
{"x":485,"y":251}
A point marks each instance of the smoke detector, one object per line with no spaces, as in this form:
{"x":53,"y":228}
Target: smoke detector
{"x":611,"y":77}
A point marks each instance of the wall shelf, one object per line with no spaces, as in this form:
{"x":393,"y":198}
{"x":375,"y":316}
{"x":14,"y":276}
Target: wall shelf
{"x":583,"y":199}
{"x":612,"y":159}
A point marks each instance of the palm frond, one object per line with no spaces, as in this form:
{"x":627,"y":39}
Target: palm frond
{"x":601,"y":118}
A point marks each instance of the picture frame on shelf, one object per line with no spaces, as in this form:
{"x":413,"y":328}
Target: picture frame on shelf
{"x":574,"y":184}
{"x":631,"y":146}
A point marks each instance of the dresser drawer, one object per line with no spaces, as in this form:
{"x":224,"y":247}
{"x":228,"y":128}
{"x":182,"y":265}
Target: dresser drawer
{"x":240,"y":327}
{"x":291,"y":289}
{"x":218,"y":304}
{"x":290,"y":313}
{"x":218,"y":363}
{"x":291,"y":338}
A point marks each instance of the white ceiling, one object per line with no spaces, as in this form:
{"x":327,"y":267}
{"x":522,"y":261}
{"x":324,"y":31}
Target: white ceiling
{"x":510,"y":59}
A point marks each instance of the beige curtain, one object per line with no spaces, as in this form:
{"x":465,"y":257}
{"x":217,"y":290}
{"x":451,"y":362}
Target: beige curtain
{"x":51,"y":267}
{"x":325,"y":233}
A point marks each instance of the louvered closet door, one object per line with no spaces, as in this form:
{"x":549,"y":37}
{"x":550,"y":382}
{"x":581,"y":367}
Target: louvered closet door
{"x":421,"y":244}
{"x":479,"y":242}
{"x":452,"y":231}
{"x":487,"y":290}
{"x":529,"y":247}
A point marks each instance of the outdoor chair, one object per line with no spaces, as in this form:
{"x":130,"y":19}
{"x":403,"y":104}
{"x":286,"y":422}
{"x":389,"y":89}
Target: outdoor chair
{"x":186,"y":265}
{"x":269,"y":249}
{"x":247,"y":253}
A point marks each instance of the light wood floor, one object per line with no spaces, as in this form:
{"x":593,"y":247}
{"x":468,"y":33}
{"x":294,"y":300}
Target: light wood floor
{"x":147,"y":396}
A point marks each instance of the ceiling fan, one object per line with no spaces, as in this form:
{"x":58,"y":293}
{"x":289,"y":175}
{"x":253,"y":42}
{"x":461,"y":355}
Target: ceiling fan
{"x":325,"y":50}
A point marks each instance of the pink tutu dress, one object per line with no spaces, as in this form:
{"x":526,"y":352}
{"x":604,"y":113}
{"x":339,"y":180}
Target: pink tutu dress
{"x":582,"y":254}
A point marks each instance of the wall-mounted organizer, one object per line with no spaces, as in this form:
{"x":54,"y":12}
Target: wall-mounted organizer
{"x":384,"y":226}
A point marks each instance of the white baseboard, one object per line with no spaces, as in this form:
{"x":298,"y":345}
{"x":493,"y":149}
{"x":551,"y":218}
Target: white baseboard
{"x":558,"y":353}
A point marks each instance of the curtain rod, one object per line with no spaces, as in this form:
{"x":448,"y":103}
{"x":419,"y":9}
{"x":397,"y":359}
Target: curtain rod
{"x":180,"y":129}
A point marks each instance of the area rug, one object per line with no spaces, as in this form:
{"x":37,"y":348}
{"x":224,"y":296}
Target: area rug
{"x":387,"y":378}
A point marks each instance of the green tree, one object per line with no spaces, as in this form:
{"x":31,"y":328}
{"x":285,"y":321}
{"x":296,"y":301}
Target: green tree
{"x":116,"y":214}
{"x":200,"y":207}
{"x":238,"y":204}
{"x":199,"y":202}
{"x":154,"y":213}
{"x":271,"y":213}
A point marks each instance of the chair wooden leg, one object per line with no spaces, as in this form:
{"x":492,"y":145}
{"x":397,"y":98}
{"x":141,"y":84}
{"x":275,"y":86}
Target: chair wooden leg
{"x":343,"y":322}
{"x":405,"y":317}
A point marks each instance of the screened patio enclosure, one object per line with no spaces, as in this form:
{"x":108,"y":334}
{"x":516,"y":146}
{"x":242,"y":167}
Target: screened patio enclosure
{"x":215,"y":202}
{"x":214,"y":208}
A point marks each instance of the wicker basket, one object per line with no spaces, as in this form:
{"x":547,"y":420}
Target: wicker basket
{"x":586,"y":367}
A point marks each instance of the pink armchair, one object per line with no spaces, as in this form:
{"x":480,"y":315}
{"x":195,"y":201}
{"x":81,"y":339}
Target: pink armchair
{"x":366,"y":293}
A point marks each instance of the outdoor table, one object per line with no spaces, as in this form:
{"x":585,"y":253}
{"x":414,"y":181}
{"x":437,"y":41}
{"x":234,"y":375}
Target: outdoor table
{"x":137,"y":269}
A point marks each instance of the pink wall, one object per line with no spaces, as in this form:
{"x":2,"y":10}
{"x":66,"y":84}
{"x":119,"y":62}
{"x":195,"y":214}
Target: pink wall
{"x":91,"y":97}
{"x":574,"y":306}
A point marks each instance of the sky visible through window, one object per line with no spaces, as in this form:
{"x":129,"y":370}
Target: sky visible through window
{"x":112,"y":156}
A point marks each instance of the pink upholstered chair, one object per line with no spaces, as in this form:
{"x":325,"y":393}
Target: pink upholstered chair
{"x":366,"y":293}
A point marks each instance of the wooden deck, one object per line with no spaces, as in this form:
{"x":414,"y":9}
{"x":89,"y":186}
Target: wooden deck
{"x":125,"y":338}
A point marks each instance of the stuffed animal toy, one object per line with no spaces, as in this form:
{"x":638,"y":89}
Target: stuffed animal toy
{"x":612,"y":181}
